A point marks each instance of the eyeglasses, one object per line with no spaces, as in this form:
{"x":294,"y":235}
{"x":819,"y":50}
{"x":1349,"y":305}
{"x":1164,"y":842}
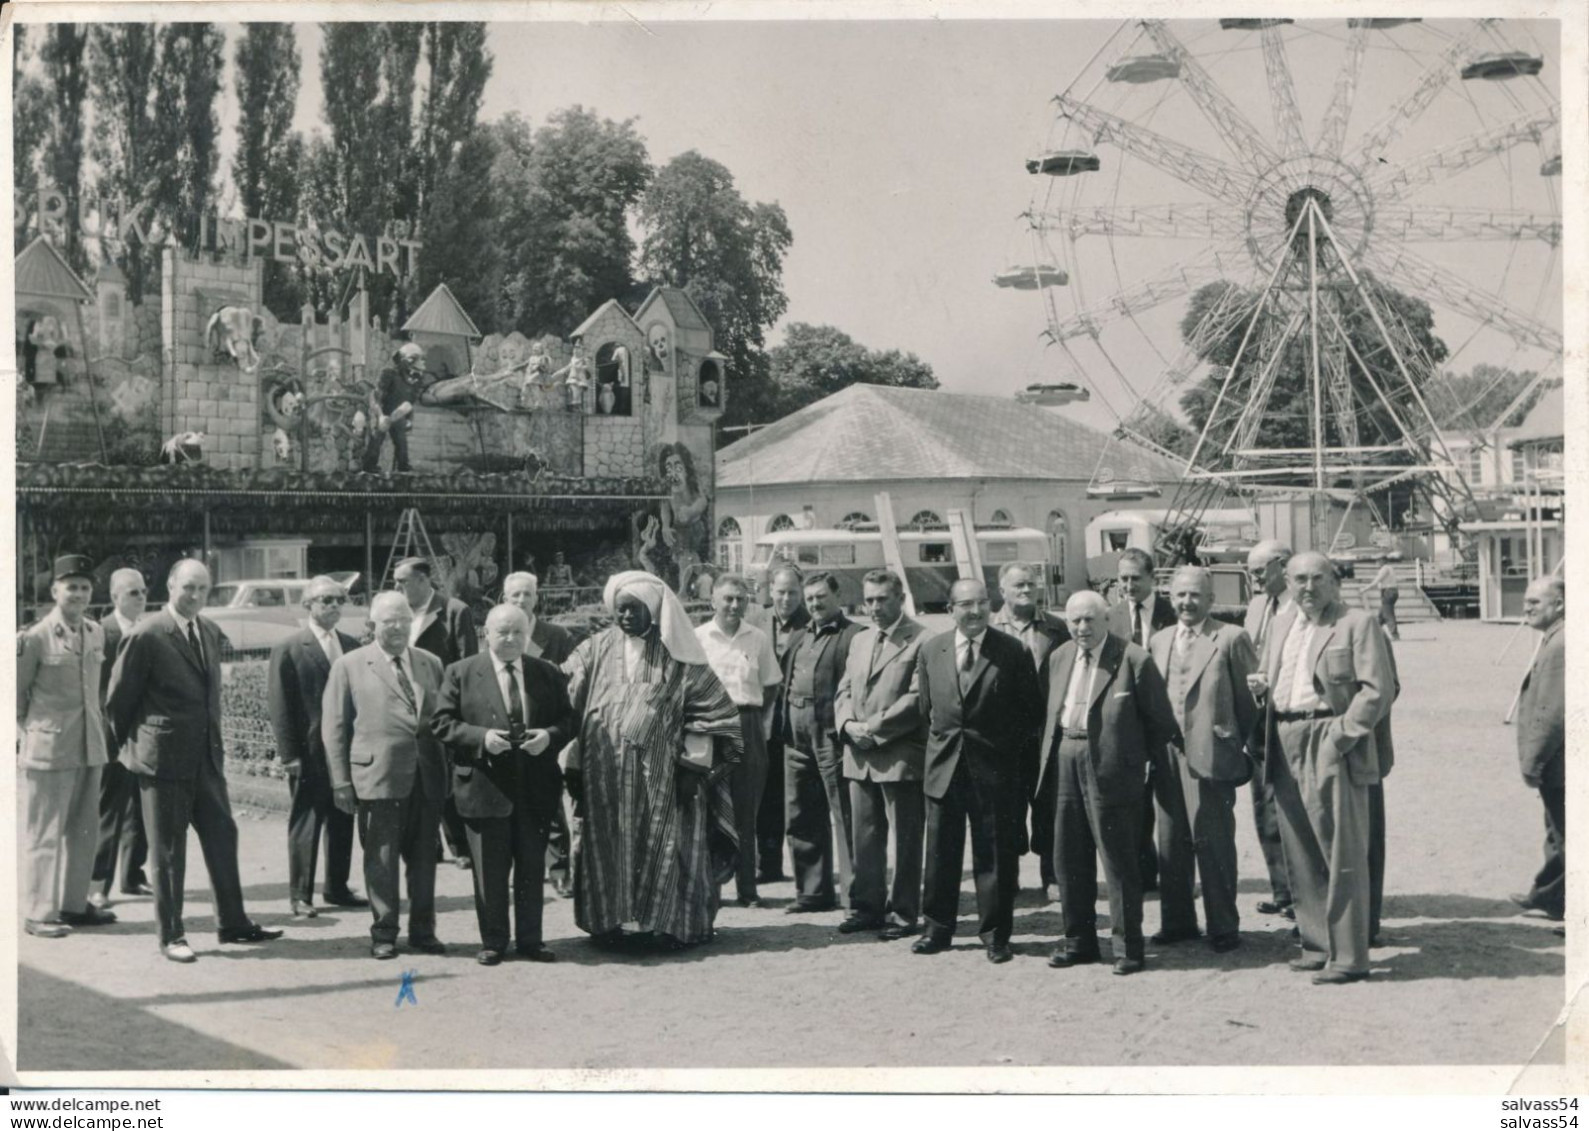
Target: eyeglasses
{"x":331,"y":600}
{"x":134,"y":592}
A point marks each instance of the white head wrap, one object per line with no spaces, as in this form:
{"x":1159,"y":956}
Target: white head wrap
{"x":673,"y":623}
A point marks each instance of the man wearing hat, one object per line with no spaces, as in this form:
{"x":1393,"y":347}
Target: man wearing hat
{"x":392,"y":407}
{"x":444,"y":627}
{"x":60,"y":752}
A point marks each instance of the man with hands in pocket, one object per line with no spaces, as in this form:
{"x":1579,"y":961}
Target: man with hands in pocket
{"x":505,"y":715}
{"x":1327,"y":688}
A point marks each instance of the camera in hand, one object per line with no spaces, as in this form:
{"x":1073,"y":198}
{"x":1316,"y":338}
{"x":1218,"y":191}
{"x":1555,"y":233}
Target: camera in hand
{"x":518,"y":738}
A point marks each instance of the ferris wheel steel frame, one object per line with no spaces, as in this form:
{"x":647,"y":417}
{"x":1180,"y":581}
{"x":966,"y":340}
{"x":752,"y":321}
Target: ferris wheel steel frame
{"x":1351,"y":216}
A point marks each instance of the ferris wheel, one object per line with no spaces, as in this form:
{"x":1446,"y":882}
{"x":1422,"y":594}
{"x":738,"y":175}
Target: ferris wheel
{"x":1320,"y":170}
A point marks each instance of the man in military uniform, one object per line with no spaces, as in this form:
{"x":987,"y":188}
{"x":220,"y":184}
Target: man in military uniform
{"x":61,"y":752}
{"x":392,"y":407}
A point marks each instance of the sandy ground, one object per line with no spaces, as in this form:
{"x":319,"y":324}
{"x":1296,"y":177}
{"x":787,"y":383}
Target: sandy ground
{"x":1462,"y":979}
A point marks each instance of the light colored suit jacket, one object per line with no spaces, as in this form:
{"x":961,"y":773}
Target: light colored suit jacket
{"x":1253,"y":623}
{"x":58,"y":695}
{"x":1354,"y":677}
{"x":1218,"y":712}
{"x":1542,"y":713}
{"x":374,"y":740}
{"x":884,"y":696}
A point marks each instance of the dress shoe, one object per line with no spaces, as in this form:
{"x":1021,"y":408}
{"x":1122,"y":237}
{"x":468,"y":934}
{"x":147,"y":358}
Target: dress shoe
{"x":427,"y":946}
{"x":462,"y":863}
{"x":892,"y":932}
{"x":1062,"y":958}
{"x":1294,"y":934}
{"x":98,"y":899}
{"x":489,"y":957}
{"x":999,"y":953}
{"x":1050,"y":893}
{"x":1289,"y":912}
{"x":855,"y":924}
{"x":1530,"y":906}
{"x":564,"y":888}
{"x":929,"y":944}
{"x":179,"y":951}
{"x":383,"y":950}
{"x":1339,"y":977}
{"x":1125,"y":966}
{"x":43,"y":930}
{"x":303,"y":909}
{"x":1562,"y":931}
{"x":1270,"y":907}
{"x":139,"y":887}
{"x":534,"y":952}
{"x":752,"y":901}
{"x":1303,"y":964}
{"x":1165,"y":938}
{"x":1224,"y":944}
{"x":90,"y":916}
{"x":251,"y":933}
{"x":345,"y":899}
{"x":811,"y":906}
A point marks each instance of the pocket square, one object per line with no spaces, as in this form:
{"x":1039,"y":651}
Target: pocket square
{"x":1122,"y":694}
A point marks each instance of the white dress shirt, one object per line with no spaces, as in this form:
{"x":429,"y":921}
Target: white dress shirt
{"x":1077,"y":695}
{"x":1299,"y":696}
{"x":744,"y":662}
{"x":962,"y":642}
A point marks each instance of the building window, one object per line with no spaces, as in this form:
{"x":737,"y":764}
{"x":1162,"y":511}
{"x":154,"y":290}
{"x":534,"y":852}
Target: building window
{"x":612,"y":380}
{"x":730,"y":545}
{"x":780,"y":522}
{"x":709,"y":393}
{"x":1058,"y":536}
{"x":935,"y":553}
{"x":1000,"y":552}
{"x":855,"y":519}
{"x":728,"y":528}
{"x":842,"y":555}
{"x":928,"y":520}
{"x":1519,"y":465}
{"x":1001,"y":517}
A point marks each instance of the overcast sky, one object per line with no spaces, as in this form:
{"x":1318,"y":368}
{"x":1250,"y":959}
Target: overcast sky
{"x":897,"y":151}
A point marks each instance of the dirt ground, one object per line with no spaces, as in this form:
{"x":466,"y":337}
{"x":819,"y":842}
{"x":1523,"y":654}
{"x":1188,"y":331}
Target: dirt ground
{"x":1462,"y":979}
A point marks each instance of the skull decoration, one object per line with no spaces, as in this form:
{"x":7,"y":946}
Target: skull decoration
{"x":231,"y":332}
{"x":282,"y":443}
{"x":657,"y":342}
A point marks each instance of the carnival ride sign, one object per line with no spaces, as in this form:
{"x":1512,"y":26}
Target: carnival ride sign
{"x":310,"y":244}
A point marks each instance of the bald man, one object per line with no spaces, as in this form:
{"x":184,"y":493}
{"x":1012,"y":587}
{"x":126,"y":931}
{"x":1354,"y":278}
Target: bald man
{"x":1109,"y":723}
{"x":1329,"y":684}
{"x":1266,"y":567}
{"x":1205,"y":666}
{"x":504,"y":714}
{"x":1542,"y":740}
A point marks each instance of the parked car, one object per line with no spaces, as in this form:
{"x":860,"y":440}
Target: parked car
{"x":257,"y":614}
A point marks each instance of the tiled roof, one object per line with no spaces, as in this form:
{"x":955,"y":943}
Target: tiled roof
{"x":686,"y":315}
{"x":41,"y":271}
{"x":441,"y":313}
{"x":873,"y":432}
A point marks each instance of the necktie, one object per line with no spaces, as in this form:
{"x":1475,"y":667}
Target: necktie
{"x":193,"y":641}
{"x":1078,"y":703}
{"x":402,"y":682}
{"x":332,"y":646}
{"x":515,"y":700}
{"x":877,"y":650}
{"x":970,"y":656}
{"x":1139,"y":633}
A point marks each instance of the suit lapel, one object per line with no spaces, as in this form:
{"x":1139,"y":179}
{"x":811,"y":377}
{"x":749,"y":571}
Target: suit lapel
{"x":1162,"y":648}
{"x":428,"y":618}
{"x":183,"y":646}
{"x":310,"y":647}
{"x":486,"y":673}
{"x":1321,"y":637}
{"x":1109,"y":654}
{"x":382,"y":663}
{"x":1274,"y":646}
{"x":892,"y":646}
{"x":1203,"y":650}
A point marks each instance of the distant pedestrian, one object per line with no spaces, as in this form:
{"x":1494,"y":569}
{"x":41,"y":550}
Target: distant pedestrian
{"x":1385,"y":582}
{"x":1542,"y":740}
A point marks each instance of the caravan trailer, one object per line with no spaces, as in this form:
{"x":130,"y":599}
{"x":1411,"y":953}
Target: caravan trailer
{"x":928,"y":558}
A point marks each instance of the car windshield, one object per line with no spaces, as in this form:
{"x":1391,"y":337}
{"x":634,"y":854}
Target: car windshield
{"x":221,"y":596}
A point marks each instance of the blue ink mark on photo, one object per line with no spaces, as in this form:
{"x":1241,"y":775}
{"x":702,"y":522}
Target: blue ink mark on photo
{"x":406,"y":991}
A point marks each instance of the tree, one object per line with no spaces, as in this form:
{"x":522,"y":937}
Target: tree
{"x":1475,"y":400}
{"x":701,"y":235}
{"x":122,"y":64}
{"x":565,"y":193}
{"x":461,"y":233}
{"x":817,"y":361}
{"x":63,"y":55}
{"x":269,"y":160}
{"x":1287,"y":421}
{"x":459,"y":65}
{"x":187,"y":130}
{"x":30,"y":122}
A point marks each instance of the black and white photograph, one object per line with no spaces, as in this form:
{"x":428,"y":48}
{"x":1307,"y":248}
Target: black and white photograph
{"x":750,"y":547}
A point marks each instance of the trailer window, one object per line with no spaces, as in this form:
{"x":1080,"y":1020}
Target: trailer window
{"x":1116,"y":540}
{"x":762,"y":554}
{"x":807,"y":556}
{"x":1000,"y":552}
{"x":838,"y":555}
{"x":936,"y":553}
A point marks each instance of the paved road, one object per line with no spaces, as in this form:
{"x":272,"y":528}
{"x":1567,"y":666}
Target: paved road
{"x":1463,"y":981}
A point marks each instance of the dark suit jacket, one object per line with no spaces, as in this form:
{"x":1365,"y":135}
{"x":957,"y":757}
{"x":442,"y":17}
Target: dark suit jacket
{"x":992,"y":726}
{"x":555,"y":642}
{"x":164,"y":706}
{"x":114,"y":639}
{"x":296,"y":682}
{"x":1120,"y":619}
{"x":1129,"y":719}
{"x":833,"y":654}
{"x":1542,"y":713}
{"x":789,"y":642}
{"x":450,"y":635}
{"x":487,"y":785}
